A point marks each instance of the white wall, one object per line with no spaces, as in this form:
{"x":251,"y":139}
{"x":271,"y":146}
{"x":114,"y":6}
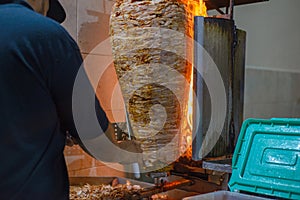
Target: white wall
{"x":273,"y":29}
{"x":272,"y":58}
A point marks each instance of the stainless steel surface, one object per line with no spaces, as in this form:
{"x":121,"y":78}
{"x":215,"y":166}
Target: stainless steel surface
{"x":105,"y":180}
{"x":173,"y":194}
{"x":135,"y":166}
{"x":239,"y":82}
{"x":159,"y":177}
{"x":218,"y":165}
{"x":201,"y":186}
{"x":226,"y":46}
{"x":164,"y":188}
{"x":221,"y":195}
{"x":129,"y":129}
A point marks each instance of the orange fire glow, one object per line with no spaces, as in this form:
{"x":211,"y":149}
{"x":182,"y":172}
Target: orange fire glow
{"x":197,"y":7}
{"x":194,"y":8}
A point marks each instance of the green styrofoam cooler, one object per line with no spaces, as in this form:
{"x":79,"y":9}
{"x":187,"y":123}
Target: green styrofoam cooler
{"x":267,"y":158}
{"x":265,"y":164}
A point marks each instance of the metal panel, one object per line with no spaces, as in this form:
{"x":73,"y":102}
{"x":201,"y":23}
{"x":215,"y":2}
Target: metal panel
{"x":174,"y":194}
{"x":219,"y":38}
{"x":238,"y":83}
{"x":81,"y":180}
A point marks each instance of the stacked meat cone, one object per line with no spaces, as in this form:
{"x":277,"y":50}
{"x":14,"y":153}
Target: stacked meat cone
{"x":148,"y":43}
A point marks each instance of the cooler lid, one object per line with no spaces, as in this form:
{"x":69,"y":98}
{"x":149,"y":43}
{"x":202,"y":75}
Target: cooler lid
{"x":267,"y":158}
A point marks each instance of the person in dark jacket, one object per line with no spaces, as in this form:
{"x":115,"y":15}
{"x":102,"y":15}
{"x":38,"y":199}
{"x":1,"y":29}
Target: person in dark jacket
{"x":39,"y":62}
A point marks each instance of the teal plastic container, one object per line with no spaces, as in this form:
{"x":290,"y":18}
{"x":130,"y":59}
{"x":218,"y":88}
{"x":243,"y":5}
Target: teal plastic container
{"x":266,"y":160}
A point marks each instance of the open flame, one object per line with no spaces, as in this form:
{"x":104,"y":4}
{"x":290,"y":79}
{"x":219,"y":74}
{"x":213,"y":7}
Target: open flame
{"x":194,"y":8}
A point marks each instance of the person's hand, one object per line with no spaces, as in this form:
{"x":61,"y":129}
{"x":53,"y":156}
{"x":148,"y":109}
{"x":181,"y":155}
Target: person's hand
{"x":107,"y":148}
{"x":130,"y":146}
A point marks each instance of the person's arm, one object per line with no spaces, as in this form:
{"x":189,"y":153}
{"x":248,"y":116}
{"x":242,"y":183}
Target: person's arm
{"x":67,"y":61}
{"x":66,"y":67}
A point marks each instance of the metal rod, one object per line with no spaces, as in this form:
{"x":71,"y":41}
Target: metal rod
{"x":135,"y":166}
{"x":231,"y":8}
{"x":155,"y":190}
{"x":198,"y":88}
{"x":220,"y":11}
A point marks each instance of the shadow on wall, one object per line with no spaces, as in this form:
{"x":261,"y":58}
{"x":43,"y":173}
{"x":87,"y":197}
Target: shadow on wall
{"x":91,"y":34}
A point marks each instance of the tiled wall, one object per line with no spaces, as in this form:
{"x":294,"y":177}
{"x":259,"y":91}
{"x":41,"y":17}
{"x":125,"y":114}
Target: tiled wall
{"x":81,"y":164}
{"x":87,"y":22}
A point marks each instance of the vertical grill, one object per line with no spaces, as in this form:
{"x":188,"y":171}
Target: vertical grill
{"x":226,"y":46}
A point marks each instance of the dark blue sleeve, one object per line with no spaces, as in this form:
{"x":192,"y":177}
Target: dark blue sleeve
{"x":67,"y":60}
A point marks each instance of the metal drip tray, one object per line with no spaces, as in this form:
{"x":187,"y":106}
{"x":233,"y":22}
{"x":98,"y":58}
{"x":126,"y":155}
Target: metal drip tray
{"x":175,"y":194}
